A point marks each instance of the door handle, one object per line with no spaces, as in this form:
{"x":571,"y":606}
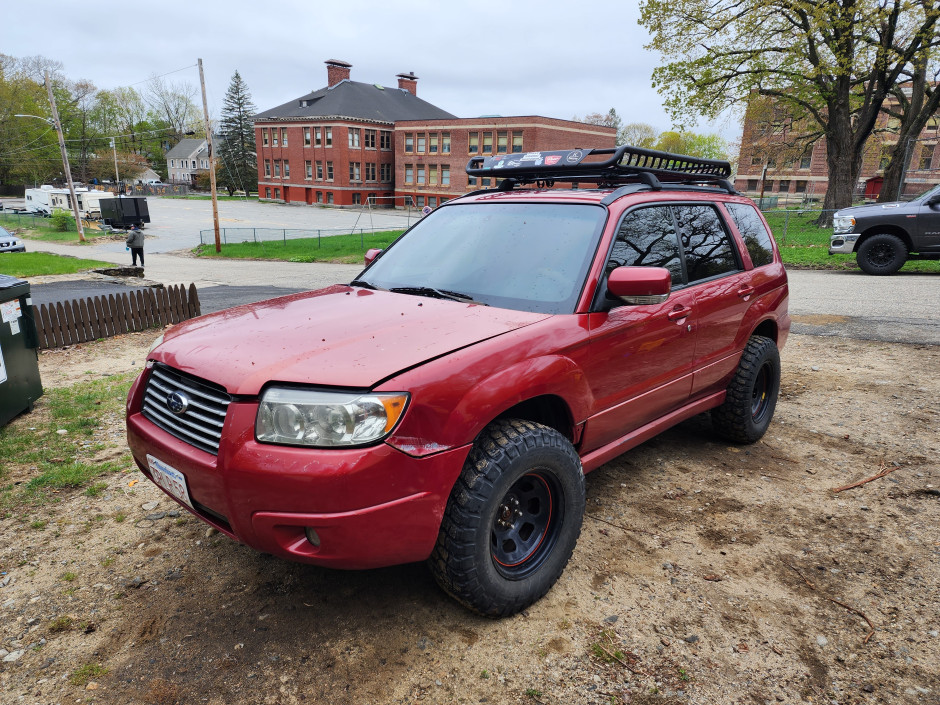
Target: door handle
{"x":745,"y":291}
{"x":678,"y":313}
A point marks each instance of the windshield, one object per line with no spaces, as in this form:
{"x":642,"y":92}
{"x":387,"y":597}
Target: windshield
{"x":926,"y":193}
{"x":523,"y":256}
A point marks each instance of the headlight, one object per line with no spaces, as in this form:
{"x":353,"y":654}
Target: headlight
{"x":300,"y":417}
{"x":842,"y":224}
{"x":158,"y":341}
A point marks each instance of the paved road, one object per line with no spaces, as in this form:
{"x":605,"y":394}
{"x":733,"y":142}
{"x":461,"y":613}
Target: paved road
{"x":900,"y":308}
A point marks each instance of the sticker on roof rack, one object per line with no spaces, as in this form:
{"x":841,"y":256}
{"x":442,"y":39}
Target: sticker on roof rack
{"x":503,"y":161}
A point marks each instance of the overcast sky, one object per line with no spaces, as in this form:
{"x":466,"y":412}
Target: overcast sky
{"x":555,"y":58}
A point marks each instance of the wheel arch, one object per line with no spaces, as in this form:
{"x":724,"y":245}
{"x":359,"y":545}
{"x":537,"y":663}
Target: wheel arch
{"x":547,"y":409}
{"x":886,"y":229}
{"x":768,"y":328}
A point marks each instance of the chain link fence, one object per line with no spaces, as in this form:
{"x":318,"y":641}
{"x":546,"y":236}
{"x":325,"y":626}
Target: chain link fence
{"x":30,"y":220}
{"x":804,"y":226}
{"x":280,"y":235}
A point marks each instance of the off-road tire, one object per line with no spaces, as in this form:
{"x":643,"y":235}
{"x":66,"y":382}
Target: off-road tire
{"x":881,"y":254}
{"x":752,"y":394}
{"x":510,"y":458}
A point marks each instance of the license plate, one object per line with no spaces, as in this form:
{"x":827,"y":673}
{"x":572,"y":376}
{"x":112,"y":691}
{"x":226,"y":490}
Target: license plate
{"x":170,"y":479}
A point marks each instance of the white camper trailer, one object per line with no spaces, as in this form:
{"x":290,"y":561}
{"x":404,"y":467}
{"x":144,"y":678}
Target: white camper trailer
{"x":38,"y":200}
{"x":89,"y":203}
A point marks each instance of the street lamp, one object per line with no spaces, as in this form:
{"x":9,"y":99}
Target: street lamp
{"x":54,"y":121}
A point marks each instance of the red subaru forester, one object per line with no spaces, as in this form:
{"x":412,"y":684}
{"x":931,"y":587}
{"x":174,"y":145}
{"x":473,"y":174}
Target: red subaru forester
{"x":446,"y":405}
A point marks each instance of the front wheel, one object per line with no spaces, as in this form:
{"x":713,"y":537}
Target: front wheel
{"x":512,"y":520}
{"x":752,"y":395}
{"x":881,"y":254}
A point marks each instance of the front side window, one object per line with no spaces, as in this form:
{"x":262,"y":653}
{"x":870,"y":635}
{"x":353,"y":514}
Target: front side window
{"x":475,"y":249}
{"x":647,"y":238}
{"x":755,"y":235}
{"x":708,"y":250}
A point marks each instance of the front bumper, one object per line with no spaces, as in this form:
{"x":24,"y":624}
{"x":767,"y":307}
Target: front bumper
{"x":370,"y":507}
{"x":844,"y":244}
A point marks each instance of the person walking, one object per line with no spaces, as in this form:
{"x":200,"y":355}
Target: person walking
{"x":135,"y":241}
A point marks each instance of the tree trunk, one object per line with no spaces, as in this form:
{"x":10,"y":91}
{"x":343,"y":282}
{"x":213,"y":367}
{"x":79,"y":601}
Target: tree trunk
{"x":897,"y":167}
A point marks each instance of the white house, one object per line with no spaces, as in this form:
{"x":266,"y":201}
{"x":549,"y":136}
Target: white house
{"x":186,"y":159}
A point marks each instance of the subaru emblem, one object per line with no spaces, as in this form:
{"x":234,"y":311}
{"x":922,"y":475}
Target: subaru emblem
{"x":177,"y":402}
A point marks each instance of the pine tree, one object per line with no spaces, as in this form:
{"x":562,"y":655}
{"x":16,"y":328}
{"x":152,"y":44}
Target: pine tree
{"x":237,"y":166}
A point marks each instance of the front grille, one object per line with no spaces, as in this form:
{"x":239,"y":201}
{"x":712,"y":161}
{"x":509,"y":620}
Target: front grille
{"x":200,"y":424}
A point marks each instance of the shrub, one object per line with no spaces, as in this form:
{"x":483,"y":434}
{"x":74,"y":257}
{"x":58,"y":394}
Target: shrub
{"x":62,"y":221}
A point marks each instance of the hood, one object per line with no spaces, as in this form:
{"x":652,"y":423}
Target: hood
{"x":336,"y":337}
{"x":873,"y":208}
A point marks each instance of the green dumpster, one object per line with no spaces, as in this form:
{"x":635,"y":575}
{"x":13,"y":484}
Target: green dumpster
{"x":20,"y":385}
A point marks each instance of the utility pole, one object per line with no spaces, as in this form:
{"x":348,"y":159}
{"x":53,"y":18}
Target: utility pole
{"x":117,"y":177}
{"x":65,"y":159}
{"x":215,"y":200}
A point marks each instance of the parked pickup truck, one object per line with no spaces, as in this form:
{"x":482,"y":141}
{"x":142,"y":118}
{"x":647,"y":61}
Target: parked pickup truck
{"x":885,"y":235}
{"x":447,"y":403}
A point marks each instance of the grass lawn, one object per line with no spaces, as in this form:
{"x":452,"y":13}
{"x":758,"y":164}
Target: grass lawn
{"x":335,"y":248}
{"x":805,"y":245}
{"x":33,"y":228}
{"x":63,"y":460}
{"x":34,"y":264}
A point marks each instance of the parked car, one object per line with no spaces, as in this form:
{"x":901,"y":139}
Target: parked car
{"x":10,"y":242}
{"x":885,"y":235}
{"x":447,"y":403}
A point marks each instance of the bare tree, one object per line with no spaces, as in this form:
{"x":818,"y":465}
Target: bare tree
{"x":175,"y":104}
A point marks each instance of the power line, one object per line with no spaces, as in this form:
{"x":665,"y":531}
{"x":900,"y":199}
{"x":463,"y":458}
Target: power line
{"x":148,"y":80}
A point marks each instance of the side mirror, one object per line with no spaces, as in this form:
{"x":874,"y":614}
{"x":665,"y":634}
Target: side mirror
{"x":640,"y":285}
{"x":371,"y":254}
{"x":933,"y":200}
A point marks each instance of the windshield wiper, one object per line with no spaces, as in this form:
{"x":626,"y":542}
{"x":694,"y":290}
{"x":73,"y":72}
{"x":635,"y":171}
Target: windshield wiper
{"x":364,"y":284}
{"x":434,"y":293}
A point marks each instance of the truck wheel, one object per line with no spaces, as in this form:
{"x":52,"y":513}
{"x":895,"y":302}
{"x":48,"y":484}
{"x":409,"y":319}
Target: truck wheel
{"x":512,"y":519}
{"x":881,"y":254}
{"x":752,"y":395}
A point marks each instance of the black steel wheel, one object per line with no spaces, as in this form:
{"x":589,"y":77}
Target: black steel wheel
{"x":752,"y":394}
{"x":881,"y":254}
{"x":512,"y":520}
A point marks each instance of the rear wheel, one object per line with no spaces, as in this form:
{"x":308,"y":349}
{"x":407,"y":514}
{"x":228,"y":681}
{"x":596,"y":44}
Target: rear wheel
{"x":512,"y":519}
{"x":882,"y":254}
{"x":752,"y":395}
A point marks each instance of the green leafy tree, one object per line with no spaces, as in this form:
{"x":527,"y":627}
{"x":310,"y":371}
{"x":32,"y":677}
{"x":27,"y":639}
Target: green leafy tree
{"x":638,"y":134}
{"x":692,"y":144}
{"x":830,"y":62}
{"x":237,"y":165}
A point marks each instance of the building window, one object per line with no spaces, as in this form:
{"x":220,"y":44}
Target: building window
{"x":432,"y":201}
{"x":306,"y":137}
{"x":432,"y":175}
{"x":370,"y":171}
{"x":329,"y":172}
{"x":445,"y":143}
{"x":354,"y":134}
{"x":385,"y":139}
{"x":264,"y":136}
{"x":357,"y":199}
{"x":319,"y":196}
{"x":328,"y":138}
{"x":274,"y":132}
{"x":784,"y":186}
{"x":806,"y":161}
{"x":308,"y":169}
{"x":267,"y":167}
{"x":329,"y":196}
{"x":502,"y":142}
{"x":757,"y":161}
{"x":420,"y":203}
{"x":370,"y":198}
{"x":422,"y":143}
{"x":386,"y":172}
{"x":432,"y":143}
{"x":471,"y":181}
{"x":319,"y":170}
{"x":473,"y":142}
{"x":926,"y":156}
{"x":286,"y":169}
{"x":354,"y":171}
{"x":800,"y":187}
{"x":409,"y":174}
{"x":487,"y":143}
{"x":194,"y":164}
{"x":370,"y":139}
{"x":409,"y":142}
{"x":277,"y":193}
{"x":277,"y":168}
{"x":267,"y":192}
{"x":283,"y":136}
{"x":445,"y":175}
{"x":517,"y":141}
{"x":752,"y":184}
{"x":485,"y":181}
{"x":317,"y":137}
{"x":421,"y":174}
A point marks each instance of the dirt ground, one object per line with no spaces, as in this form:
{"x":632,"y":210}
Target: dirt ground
{"x":705,"y":573}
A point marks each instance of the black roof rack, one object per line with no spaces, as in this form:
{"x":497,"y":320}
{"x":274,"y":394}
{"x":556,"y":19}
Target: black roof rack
{"x":606,"y":167}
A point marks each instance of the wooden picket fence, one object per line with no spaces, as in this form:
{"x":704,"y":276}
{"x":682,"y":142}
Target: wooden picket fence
{"x":82,"y":320}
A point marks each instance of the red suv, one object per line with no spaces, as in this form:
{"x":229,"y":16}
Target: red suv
{"x":446,"y":404}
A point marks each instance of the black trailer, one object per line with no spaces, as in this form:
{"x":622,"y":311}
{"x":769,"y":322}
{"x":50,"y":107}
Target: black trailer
{"x":124,"y":211}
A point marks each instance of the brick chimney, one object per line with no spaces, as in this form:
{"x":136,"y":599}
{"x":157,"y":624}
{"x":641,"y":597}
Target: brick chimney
{"x":408,"y":82}
{"x":336,"y":71}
